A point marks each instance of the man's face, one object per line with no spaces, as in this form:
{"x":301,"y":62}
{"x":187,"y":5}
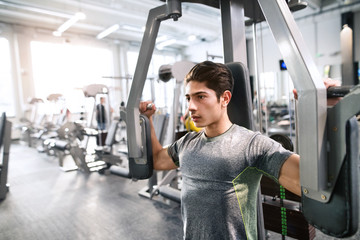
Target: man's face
{"x":203,"y":105}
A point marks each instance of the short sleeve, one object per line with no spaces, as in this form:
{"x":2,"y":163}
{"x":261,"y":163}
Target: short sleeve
{"x":267,"y":155}
{"x":173,"y":153}
{"x":175,"y":149}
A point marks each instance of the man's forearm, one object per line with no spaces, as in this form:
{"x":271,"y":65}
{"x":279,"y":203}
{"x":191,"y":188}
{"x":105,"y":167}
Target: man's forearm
{"x":156,"y":146}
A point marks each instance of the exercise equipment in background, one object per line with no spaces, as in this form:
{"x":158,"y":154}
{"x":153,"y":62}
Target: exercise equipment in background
{"x":5,"y":142}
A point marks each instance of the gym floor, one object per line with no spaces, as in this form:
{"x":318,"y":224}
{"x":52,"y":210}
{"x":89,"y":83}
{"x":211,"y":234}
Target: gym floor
{"x":47,"y":203}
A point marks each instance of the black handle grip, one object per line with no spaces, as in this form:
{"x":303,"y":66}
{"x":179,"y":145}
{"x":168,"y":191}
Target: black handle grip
{"x":338,"y":91}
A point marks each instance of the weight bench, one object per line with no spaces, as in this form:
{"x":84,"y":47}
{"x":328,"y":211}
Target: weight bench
{"x":5,"y":141}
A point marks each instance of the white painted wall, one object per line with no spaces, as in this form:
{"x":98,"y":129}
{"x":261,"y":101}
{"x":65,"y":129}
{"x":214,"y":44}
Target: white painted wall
{"x":321,"y":33}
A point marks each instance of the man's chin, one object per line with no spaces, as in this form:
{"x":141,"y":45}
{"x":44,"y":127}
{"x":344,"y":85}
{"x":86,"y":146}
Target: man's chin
{"x":199,"y":125}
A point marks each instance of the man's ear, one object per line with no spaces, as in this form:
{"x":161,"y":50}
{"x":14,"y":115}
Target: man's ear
{"x":226,"y":97}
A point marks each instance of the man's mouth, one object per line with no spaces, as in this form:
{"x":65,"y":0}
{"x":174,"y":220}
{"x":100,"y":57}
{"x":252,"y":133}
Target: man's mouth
{"x":195,"y":118}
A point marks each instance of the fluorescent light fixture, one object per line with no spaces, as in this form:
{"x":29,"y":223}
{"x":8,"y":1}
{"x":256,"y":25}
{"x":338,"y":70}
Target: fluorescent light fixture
{"x":161,"y":45}
{"x":66,"y":25}
{"x":107,"y":31}
{"x":57,"y":33}
{"x":192,"y":38}
{"x":161,"y":38}
{"x":133,"y":28}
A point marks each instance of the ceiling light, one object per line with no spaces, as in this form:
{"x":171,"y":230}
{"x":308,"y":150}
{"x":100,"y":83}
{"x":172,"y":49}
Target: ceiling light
{"x":192,"y":38}
{"x":57,"y":33}
{"x":80,"y":15}
{"x":133,"y":28}
{"x":66,"y":25}
{"x":107,"y":31}
{"x":161,"y":38}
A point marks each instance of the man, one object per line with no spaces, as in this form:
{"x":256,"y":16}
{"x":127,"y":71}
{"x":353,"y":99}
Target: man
{"x":101,"y":114}
{"x":222,"y":165}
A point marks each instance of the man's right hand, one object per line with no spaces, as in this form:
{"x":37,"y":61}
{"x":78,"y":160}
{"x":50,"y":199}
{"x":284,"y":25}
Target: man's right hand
{"x":328,"y":83}
{"x":147,"y":108}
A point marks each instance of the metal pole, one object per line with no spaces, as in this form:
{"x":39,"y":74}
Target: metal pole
{"x":233,"y":27}
{"x":172,"y":9}
{"x":257,"y":80}
{"x":312,"y":108}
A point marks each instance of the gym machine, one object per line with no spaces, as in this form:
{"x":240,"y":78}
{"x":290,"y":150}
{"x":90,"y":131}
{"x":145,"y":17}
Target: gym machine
{"x":70,"y":142}
{"x":329,"y":136}
{"x":167,"y":187}
{"x":5,"y":142}
{"x":31,"y":124}
{"x":328,"y":143}
{"x":53,"y":123}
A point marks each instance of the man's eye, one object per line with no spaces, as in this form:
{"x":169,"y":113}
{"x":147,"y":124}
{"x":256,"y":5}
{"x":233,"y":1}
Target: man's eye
{"x":201,"y":97}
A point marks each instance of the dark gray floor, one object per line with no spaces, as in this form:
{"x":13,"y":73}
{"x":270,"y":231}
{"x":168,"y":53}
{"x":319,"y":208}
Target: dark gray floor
{"x":47,"y":203}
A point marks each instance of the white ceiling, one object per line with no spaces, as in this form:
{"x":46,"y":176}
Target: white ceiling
{"x":199,"y":20}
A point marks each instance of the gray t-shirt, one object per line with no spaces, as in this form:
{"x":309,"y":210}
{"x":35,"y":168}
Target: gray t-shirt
{"x":221,"y":177}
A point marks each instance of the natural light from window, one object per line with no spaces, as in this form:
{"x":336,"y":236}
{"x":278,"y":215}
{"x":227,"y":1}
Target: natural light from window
{"x":7,"y":103}
{"x":66,"y":69}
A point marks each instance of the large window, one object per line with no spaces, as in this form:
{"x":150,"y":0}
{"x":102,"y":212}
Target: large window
{"x":65,"y":69}
{"x":7,"y":103}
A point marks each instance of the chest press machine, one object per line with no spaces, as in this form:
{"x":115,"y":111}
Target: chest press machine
{"x":328,"y":143}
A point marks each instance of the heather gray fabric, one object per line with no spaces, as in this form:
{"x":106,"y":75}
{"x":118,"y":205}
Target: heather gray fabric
{"x":220,"y":181}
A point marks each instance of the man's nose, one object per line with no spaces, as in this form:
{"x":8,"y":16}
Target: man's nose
{"x":192,"y":105}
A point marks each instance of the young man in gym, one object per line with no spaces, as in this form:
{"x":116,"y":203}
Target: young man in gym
{"x":222,"y":165}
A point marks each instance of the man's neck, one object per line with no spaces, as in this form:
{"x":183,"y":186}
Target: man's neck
{"x":217,"y":129}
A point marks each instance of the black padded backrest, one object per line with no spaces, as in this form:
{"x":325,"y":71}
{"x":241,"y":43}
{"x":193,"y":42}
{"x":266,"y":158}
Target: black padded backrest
{"x":2,"y":128}
{"x":240,"y":106}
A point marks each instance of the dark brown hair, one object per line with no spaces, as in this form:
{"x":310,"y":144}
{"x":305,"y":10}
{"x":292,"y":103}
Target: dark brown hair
{"x":217,"y":76}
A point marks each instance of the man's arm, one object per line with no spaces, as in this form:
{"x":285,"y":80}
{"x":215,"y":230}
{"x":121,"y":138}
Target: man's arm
{"x":161,"y":158}
{"x":290,"y":174}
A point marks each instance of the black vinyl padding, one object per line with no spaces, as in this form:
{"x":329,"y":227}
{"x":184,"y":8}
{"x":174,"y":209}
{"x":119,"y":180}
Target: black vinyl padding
{"x":339,"y":217}
{"x":143,"y":171}
{"x":240,"y":106}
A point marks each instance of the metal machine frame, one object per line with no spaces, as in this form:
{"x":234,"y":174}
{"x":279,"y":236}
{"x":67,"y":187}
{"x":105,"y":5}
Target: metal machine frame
{"x":320,"y":166}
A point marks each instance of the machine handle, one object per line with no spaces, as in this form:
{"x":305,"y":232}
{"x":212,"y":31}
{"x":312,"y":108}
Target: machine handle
{"x":338,"y":91}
